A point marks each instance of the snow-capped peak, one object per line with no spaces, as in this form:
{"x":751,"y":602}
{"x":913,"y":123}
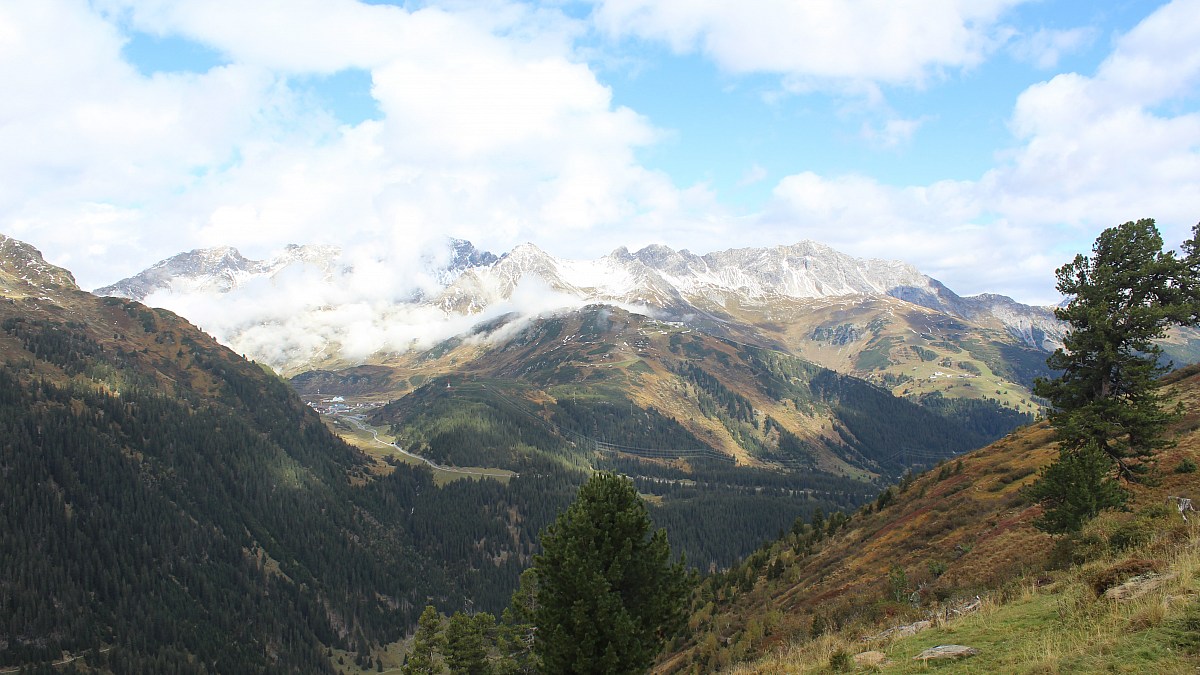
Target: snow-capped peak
{"x":461,"y":281}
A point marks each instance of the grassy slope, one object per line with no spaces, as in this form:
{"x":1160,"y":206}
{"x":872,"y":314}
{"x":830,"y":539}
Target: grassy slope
{"x":911,"y":350}
{"x":959,"y":533}
{"x":625,"y":358}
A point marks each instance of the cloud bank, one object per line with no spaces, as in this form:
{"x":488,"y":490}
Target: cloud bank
{"x":337,"y":308}
{"x":493,"y":122}
{"x":821,"y":42}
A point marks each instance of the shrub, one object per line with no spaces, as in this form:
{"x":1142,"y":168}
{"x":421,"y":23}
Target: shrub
{"x":820,"y":625}
{"x":1119,"y":573}
{"x":1076,"y":549}
{"x":1129,"y":535}
{"x":898,"y":582}
{"x":1186,"y":466}
{"x":841,"y":662}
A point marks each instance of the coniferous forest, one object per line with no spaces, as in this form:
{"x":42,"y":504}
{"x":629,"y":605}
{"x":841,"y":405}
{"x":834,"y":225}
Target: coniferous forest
{"x":168,"y":506}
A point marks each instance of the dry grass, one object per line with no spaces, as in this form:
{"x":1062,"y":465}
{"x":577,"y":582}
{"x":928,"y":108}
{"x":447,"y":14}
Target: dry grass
{"x":974,"y":528}
{"x":1038,"y":628}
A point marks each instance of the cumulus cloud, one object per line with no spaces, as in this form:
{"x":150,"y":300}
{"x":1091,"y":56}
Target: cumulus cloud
{"x":1044,"y":47}
{"x":493,"y":126}
{"x":930,"y":226}
{"x":491,"y":129}
{"x":1093,"y":151}
{"x":89,"y":142}
{"x":891,"y":133}
{"x":1108,"y":148}
{"x":819,"y":43}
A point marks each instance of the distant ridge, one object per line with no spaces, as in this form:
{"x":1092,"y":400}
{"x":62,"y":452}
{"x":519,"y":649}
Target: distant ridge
{"x":679,"y":283}
{"x":223,"y":269}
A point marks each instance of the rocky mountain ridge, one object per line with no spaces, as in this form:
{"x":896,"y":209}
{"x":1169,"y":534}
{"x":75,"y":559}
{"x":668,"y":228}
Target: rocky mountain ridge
{"x":215,"y":270}
{"x":23,"y":271}
{"x":681,"y":281}
{"x":674,"y":285}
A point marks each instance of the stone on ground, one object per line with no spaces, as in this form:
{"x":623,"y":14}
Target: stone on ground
{"x":946,"y":652}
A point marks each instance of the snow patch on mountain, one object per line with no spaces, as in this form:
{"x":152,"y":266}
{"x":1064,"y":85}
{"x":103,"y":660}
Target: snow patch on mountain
{"x":23,"y":271}
{"x":313,"y":302}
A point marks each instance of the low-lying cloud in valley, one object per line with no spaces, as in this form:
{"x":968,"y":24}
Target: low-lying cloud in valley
{"x":354,"y":305}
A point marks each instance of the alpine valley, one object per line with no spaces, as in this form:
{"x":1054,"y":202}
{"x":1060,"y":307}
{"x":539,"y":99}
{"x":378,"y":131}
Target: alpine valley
{"x":734,"y":349}
{"x":170,"y":503}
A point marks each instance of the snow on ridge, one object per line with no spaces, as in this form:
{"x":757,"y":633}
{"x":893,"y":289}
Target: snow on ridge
{"x":806,"y":270}
{"x":312,"y":294}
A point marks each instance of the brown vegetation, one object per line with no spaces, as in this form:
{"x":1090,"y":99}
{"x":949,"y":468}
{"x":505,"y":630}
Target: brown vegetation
{"x":957,"y":531}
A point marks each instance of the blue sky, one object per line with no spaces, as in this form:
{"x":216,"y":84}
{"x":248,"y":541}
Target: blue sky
{"x":984,"y":141}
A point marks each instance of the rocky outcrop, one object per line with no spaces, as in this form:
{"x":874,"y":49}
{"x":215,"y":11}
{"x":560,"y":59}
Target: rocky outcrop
{"x":1138,"y":586}
{"x":946,"y":653}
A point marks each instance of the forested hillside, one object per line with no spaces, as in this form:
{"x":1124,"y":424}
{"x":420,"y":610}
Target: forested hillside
{"x":603,"y":377}
{"x":168,"y":506}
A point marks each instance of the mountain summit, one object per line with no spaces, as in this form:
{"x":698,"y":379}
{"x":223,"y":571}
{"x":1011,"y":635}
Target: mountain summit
{"x":24,"y":272}
{"x":213,"y":270}
{"x":314,"y":307}
{"x":806,"y":270}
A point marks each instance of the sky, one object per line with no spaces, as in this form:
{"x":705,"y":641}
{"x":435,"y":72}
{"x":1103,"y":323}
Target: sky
{"x":985,"y":141}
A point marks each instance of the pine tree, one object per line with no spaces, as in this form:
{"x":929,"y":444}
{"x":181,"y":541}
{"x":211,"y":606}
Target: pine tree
{"x":1108,"y":413}
{"x":427,"y":645}
{"x":1077,"y":487}
{"x":608,"y":594}
{"x":467,"y":637}
{"x":514,"y":636}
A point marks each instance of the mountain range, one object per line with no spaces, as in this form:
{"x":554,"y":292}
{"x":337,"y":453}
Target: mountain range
{"x":327,"y":318}
{"x":170,"y":505}
{"x":668,"y":284}
{"x":312,"y":307}
{"x":308,"y":314}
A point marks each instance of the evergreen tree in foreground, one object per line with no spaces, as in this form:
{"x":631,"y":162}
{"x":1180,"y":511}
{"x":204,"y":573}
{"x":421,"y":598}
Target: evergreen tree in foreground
{"x":1077,"y":486}
{"x":608,"y":594}
{"x":1108,"y":414}
{"x":467,"y":639}
{"x":427,"y":645}
{"x":515,"y":633}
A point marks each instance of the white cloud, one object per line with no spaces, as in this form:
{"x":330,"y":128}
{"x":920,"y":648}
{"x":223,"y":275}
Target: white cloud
{"x":1046,"y":46}
{"x":892,"y":133}
{"x":819,"y":43}
{"x":1099,"y":150}
{"x":89,"y":143}
{"x":929,"y":226}
{"x":1093,"y":152}
{"x":491,"y":129}
{"x":494,"y":128}
{"x":753,"y":175}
